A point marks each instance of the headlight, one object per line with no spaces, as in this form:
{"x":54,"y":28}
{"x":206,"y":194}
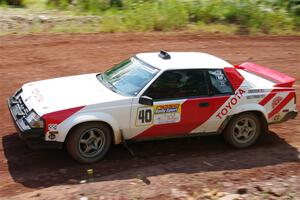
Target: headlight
{"x":34,"y":120}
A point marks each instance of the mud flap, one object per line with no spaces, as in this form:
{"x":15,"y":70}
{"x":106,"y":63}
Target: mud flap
{"x":126,"y":145}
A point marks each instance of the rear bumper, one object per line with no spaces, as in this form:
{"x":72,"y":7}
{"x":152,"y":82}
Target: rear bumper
{"x":290,"y":115}
{"x":34,"y":137}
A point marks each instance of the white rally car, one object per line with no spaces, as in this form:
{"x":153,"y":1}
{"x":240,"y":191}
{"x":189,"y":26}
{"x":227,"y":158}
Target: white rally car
{"x":153,"y":95}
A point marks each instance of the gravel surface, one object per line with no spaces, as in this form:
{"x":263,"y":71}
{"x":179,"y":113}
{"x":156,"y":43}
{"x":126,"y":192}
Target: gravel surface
{"x":192,"y":168}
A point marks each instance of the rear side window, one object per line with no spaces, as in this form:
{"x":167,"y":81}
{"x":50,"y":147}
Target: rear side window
{"x":220,"y":85}
{"x":178,"y":84}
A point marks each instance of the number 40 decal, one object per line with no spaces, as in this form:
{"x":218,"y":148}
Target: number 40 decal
{"x":144,"y":116}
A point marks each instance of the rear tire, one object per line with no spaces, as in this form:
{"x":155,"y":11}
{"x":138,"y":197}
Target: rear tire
{"x":243,"y":130}
{"x":89,"y":142}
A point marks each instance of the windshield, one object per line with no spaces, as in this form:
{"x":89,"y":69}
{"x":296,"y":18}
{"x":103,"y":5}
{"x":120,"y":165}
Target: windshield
{"x":129,"y":77}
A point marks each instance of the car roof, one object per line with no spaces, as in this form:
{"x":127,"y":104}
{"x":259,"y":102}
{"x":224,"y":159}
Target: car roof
{"x":183,"y":60}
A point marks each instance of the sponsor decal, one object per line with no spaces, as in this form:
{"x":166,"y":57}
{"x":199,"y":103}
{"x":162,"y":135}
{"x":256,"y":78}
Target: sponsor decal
{"x":158,"y":114}
{"x":52,"y":127}
{"x":256,"y":96}
{"x":276,"y":117}
{"x":37,"y":95}
{"x":165,"y":114}
{"x":276,"y":101}
{"x":230,"y":103}
{"x":52,"y":135}
{"x":255,"y":91}
{"x":218,"y":74}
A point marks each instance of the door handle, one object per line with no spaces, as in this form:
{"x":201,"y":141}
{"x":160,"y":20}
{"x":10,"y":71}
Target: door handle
{"x":203,"y":104}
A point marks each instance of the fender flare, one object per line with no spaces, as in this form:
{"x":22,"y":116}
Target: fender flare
{"x":252,"y":107}
{"x":92,"y":116}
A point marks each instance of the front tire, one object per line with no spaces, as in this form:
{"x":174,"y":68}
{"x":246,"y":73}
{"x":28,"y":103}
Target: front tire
{"x":243,"y":130}
{"x":89,"y":142}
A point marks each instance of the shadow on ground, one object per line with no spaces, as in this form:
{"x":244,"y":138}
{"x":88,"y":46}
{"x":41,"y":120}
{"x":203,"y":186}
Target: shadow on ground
{"x":44,"y":168}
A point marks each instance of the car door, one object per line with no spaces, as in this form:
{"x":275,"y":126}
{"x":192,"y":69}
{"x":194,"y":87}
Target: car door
{"x":221,"y":91}
{"x":181,"y":103}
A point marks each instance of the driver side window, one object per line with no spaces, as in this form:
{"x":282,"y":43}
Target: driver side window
{"x":178,"y":84}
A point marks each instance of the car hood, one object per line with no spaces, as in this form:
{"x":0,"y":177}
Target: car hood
{"x":67,"y":92}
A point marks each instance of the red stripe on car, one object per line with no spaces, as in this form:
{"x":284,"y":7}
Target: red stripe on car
{"x":59,"y":116}
{"x":265,"y":100}
{"x":235,"y":78}
{"x":281,"y":105}
{"x":191,"y":110}
{"x":281,"y":80}
{"x":192,"y":116}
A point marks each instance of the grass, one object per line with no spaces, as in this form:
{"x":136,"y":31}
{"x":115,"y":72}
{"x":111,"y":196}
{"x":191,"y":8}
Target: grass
{"x":218,"y":16}
{"x":229,"y":16}
{"x":213,"y":28}
{"x":149,"y":16}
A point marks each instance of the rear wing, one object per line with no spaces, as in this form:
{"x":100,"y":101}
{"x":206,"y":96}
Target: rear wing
{"x":280,"y":79}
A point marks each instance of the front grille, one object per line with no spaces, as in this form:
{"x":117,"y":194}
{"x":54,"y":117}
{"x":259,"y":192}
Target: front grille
{"x":17,"y":102}
{"x":22,"y":105}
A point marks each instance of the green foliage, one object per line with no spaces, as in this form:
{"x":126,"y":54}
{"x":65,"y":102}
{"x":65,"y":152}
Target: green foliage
{"x":17,"y":3}
{"x":146,"y":16}
{"x":61,"y":4}
{"x":271,"y":16}
{"x":93,"y":6}
{"x":159,"y":15}
{"x":247,"y":16}
{"x":250,"y":15}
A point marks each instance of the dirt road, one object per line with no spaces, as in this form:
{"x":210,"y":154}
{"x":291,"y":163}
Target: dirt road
{"x":173,"y":167}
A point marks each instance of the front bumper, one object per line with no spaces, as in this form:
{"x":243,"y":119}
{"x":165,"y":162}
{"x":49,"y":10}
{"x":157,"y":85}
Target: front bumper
{"x":18,"y":111}
{"x":34,"y":137}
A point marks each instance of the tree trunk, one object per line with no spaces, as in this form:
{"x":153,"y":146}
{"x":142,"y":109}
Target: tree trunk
{"x":14,"y":2}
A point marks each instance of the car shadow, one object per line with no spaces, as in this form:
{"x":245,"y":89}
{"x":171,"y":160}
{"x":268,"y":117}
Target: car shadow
{"x":48,"y":167}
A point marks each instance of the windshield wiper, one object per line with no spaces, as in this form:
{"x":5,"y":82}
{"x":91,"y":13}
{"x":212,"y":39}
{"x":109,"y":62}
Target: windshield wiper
{"x":106,"y":83}
{"x":112,"y":87}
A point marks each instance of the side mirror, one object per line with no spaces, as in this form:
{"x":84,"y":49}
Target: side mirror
{"x":145,"y":100}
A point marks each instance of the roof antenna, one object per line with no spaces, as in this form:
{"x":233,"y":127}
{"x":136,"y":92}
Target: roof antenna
{"x":164,"y":55}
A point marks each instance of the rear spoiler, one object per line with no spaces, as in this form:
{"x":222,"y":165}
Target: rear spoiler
{"x":280,"y":79}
